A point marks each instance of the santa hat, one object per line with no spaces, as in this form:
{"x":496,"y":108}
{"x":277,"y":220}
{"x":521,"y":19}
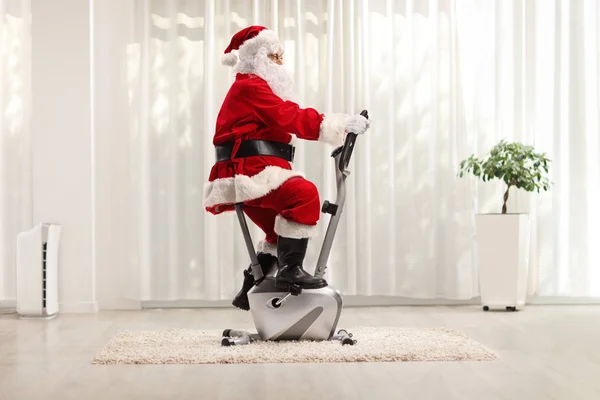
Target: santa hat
{"x":248,"y":42}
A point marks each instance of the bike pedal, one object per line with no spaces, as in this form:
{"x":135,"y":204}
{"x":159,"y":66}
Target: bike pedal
{"x":295,"y":290}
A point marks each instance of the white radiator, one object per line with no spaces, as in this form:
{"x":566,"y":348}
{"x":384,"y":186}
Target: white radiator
{"x":37,"y":271}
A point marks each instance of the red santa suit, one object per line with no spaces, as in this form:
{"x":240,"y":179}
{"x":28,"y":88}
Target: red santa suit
{"x":257,"y":111}
{"x":278,"y":198}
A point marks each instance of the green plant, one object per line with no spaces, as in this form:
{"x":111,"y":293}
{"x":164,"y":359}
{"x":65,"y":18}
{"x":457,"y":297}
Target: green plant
{"x":514,"y":163}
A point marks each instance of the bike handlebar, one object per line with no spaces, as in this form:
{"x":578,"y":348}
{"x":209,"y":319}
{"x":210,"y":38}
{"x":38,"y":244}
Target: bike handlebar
{"x":348,"y":147}
{"x":344,"y":153}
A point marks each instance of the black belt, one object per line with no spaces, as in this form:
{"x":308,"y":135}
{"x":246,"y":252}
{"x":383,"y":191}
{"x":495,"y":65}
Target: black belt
{"x":249,"y":148}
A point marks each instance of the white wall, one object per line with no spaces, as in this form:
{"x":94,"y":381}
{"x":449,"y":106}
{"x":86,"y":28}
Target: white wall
{"x":62,"y":142}
{"x":116,"y":272}
{"x":81,"y":162}
{"x":81,"y":166}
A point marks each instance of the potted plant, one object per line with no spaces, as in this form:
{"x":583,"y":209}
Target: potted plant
{"x":503,"y":238}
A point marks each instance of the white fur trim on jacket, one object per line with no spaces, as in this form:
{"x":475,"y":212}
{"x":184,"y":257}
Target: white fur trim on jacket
{"x":266,"y":248}
{"x":294,"y":230}
{"x":333,"y":129}
{"x":243,"y":188}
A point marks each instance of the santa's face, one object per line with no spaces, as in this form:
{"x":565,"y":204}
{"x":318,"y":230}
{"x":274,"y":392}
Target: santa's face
{"x":277,"y":58}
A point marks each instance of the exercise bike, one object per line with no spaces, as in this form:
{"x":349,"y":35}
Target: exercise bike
{"x":295,"y":313}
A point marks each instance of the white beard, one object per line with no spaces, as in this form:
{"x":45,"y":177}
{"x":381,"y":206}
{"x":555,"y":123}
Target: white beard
{"x":276,"y":76}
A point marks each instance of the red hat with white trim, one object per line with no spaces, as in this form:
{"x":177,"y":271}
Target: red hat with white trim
{"x":248,"y":42}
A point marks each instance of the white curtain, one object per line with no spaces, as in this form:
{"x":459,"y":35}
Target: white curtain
{"x":529,"y":72}
{"x":15,"y":161}
{"x":441,"y":79}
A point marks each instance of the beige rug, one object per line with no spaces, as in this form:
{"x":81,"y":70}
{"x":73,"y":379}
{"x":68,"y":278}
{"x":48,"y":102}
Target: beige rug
{"x":181,"y":346}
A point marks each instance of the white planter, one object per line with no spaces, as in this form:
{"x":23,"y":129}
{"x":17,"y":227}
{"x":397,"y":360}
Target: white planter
{"x":503,"y":260}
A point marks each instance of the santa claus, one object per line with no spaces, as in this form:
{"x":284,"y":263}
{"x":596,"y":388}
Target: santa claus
{"x":254,"y":157}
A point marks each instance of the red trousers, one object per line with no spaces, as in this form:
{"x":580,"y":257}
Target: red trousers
{"x":292,"y":210}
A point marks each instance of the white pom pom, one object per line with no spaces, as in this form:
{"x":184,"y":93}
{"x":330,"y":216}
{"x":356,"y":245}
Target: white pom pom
{"x":229,"y":59}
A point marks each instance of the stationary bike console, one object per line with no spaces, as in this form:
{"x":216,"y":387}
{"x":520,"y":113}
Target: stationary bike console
{"x":295,"y":313}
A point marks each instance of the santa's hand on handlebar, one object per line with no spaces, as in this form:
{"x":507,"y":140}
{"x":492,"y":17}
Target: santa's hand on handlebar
{"x":357,"y":124}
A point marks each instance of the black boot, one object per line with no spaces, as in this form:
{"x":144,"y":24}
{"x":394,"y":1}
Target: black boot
{"x":241,"y":299}
{"x":290,"y":253}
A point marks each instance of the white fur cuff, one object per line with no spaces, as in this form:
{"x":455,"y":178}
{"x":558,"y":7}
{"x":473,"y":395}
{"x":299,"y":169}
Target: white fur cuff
{"x":290,"y":229}
{"x":333,"y":129}
{"x":266,"y":248}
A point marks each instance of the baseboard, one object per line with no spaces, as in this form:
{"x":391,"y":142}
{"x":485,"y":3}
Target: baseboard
{"x":8,"y":304}
{"x":349,"y":301}
{"x":119,"y":304}
{"x":8,"y":307}
{"x":382,"y":301}
{"x":82,"y":307}
{"x":557,"y":300}
{"x":154,"y":304}
{"x":64,"y":308}
{"x":379,"y":301}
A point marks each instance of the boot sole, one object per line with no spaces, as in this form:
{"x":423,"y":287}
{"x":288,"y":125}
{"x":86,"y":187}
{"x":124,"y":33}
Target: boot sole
{"x":287,"y":284}
{"x":241,"y":304}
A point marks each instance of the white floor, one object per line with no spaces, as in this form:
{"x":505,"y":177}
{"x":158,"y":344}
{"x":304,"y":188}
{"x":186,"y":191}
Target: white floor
{"x":544,"y":353}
